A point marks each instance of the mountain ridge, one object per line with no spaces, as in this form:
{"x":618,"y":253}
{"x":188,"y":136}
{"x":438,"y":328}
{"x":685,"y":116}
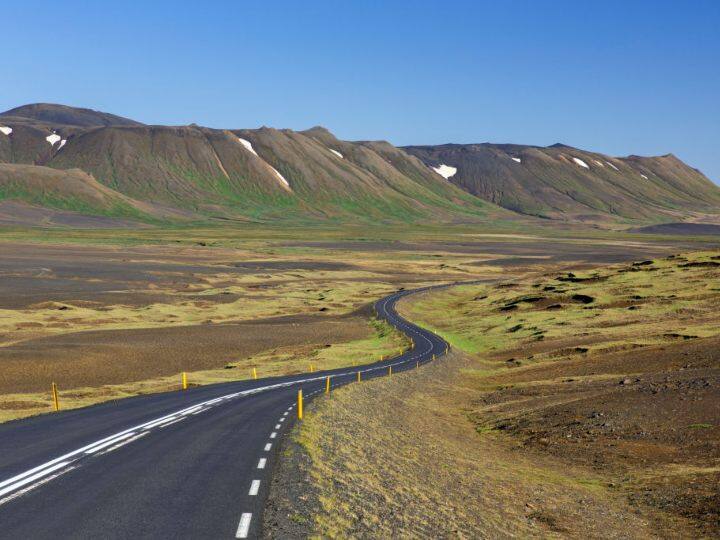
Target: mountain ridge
{"x":280,"y":174}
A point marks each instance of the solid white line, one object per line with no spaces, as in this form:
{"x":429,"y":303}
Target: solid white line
{"x":261,"y":463}
{"x":44,"y":480}
{"x":34,"y":477}
{"x":244,"y":526}
{"x":254,"y":488}
{"x":273,"y":435}
{"x":268,"y":446}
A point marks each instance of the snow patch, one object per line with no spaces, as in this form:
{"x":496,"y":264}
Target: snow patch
{"x":247,"y":144}
{"x":613,"y":166}
{"x":645,"y":177}
{"x":338,"y":154}
{"x":280,"y":176}
{"x":516,"y":159}
{"x":446,"y":171}
{"x":599,"y":162}
{"x":62,"y":143}
{"x":581,"y":163}
{"x":5,"y":130}
{"x":52,"y":139}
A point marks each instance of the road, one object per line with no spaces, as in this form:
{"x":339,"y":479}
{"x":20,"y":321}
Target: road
{"x":192,"y":464}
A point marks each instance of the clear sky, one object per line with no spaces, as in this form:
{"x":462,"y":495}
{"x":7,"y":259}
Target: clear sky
{"x":620,"y":77}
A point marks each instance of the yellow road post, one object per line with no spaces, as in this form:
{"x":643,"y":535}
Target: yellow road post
{"x":184,"y":380}
{"x":56,"y":401}
{"x":300,"y":412}
{"x":254,"y":373}
{"x":389,"y":370}
{"x":327,"y":385}
{"x":358,"y":377}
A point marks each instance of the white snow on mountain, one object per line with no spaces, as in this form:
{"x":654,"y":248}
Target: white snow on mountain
{"x":446,"y":171}
{"x":581,"y":163}
{"x":247,"y":144}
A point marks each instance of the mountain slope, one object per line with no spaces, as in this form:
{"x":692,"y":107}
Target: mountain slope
{"x":260,"y":174}
{"x":562,"y":182}
{"x":70,"y":190}
{"x":50,"y":113}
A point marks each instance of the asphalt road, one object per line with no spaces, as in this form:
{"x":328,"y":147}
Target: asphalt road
{"x":192,"y":464}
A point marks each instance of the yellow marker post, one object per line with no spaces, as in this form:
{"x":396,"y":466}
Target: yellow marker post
{"x":311,"y":368}
{"x":300,"y":404}
{"x":417,"y":365}
{"x":56,"y":401}
{"x":327,"y":385}
{"x":389,"y":370}
{"x":433,"y":356}
{"x":254,"y":373}
{"x":358,"y":376}
{"x":184,"y":380}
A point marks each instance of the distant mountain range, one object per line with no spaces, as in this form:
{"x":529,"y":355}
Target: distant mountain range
{"x":67,"y":160}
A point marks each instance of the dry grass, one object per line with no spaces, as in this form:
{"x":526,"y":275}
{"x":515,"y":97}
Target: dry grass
{"x":397,"y":458}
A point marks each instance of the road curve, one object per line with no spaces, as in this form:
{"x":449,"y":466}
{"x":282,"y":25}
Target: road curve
{"x":193,"y":464}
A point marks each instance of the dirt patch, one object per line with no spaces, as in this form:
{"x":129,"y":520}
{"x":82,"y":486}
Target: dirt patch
{"x":650,"y":417}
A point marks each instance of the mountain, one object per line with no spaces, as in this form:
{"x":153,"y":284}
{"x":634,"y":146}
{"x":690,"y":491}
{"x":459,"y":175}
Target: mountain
{"x":118,"y":168}
{"x":53,"y":114}
{"x":265,"y":174}
{"x":562,"y":182}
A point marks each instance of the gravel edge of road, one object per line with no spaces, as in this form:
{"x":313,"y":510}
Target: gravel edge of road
{"x":293,"y":501}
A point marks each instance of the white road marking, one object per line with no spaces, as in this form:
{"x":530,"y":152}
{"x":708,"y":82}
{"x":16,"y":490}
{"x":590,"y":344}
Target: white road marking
{"x":273,"y":435}
{"x":33,"y":477}
{"x":268,"y":446}
{"x":261,"y":463}
{"x":277,"y":426}
{"x":135,"y":438}
{"x":37,"y":484}
{"x":254,"y":488}
{"x":244,"y":526}
{"x":285,"y":413}
{"x":282,"y":419}
{"x":97,"y":447}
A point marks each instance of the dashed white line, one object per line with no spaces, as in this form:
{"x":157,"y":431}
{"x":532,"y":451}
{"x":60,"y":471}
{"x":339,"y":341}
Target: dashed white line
{"x":268,"y":446}
{"x":261,"y":463}
{"x":244,"y":526}
{"x":254,"y":488}
{"x":277,"y":426}
{"x":273,"y":435}
{"x":112,"y":441}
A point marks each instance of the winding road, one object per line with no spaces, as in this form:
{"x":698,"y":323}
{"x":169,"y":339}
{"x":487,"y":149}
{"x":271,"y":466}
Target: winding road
{"x":193,"y":464}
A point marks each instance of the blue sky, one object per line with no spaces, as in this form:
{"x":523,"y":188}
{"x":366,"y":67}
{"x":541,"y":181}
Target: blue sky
{"x":638,"y":77}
